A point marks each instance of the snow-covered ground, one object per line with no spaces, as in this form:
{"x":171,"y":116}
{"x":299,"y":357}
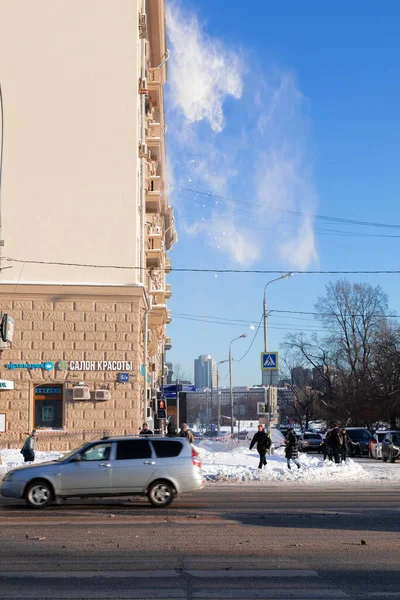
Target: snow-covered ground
{"x":229,"y":462}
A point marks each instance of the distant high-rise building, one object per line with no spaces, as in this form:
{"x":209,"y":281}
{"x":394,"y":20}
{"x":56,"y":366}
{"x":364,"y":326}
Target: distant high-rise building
{"x":301,"y":377}
{"x":205,"y":372}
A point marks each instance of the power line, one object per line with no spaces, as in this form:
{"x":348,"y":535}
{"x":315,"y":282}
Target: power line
{"x":192,"y":191}
{"x":196,"y":270}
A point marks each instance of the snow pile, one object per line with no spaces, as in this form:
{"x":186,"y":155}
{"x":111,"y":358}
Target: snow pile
{"x":11,"y":459}
{"x":233,"y":462}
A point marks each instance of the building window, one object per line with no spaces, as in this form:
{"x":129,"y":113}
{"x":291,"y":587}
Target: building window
{"x":48,"y":406}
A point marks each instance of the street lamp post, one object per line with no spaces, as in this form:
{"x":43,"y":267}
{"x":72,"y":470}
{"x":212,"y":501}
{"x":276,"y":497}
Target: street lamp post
{"x":265,"y":315}
{"x":219,"y":399}
{"x":230,"y":378}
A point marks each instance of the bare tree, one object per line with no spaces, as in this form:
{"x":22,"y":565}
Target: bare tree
{"x":353,"y":316}
{"x":179,"y":373}
{"x":303,"y":402}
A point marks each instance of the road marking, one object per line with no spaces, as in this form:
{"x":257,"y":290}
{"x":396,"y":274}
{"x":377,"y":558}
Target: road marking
{"x":281,"y":594}
{"x":254,"y":573}
{"x":88,"y":574}
{"x":208,"y":573}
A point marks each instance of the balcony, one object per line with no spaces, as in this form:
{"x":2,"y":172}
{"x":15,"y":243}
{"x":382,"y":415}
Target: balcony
{"x":167,"y":343}
{"x":169,"y":317}
{"x":153,"y":201}
{"x":168,"y":266}
{"x":153,"y":134}
{"x":158,"y":314}
{"x":168,"y":291}
{"x":154,"y":78}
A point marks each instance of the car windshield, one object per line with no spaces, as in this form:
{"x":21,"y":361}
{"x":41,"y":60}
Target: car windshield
{"x":396,"y":438}
{"x":69,"y":454}
{"x":380,"y":436}
{"x":312,"y":436}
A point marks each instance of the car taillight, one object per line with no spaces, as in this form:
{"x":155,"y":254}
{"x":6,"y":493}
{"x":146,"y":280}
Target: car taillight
{"x":196,"y":461}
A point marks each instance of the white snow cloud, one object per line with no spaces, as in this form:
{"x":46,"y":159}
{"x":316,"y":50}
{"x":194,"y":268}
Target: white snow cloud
{"x":271,"y":154}
{"x":203,"y":72}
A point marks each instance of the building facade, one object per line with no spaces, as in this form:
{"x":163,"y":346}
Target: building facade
{"x":85,"y":217}
{"x":205,"y":372}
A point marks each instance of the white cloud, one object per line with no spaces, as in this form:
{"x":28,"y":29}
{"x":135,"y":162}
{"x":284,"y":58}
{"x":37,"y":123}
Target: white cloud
{"x":267,"y":163}
{"x":203,"y":72}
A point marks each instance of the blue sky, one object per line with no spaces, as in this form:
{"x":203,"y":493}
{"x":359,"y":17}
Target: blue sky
{"x":275,"y":109}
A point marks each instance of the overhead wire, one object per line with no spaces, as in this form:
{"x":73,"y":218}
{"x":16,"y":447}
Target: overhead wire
{"x":317,"y":216}
{"x":199,"y":270}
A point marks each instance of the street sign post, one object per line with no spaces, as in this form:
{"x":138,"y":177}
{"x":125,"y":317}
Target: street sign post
{"x":269,"y":360}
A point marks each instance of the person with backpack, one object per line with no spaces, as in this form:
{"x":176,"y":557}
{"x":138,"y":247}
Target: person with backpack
{"x":28,"y":449}
{"x":334,"y":439}
{"x":263,"y":441}
{"x":292,"y":448}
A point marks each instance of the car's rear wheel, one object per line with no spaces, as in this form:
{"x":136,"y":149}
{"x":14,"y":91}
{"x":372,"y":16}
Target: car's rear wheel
{"x":39,"y":494}
{"x":161,"y":494}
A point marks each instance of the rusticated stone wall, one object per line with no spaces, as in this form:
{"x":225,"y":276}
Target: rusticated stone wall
{"x":73,"y":323}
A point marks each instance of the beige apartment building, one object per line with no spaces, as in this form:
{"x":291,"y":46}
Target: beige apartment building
{"x":84,"y":216}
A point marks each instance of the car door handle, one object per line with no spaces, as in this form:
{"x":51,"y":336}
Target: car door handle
{"x":149,"y":462}
{"x":104,"y":465}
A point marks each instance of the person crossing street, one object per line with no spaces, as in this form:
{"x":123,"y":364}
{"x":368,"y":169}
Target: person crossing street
{"x":263,"y":441}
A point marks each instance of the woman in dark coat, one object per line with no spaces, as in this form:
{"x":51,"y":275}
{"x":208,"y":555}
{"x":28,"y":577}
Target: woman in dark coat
{"x":292,"y":449}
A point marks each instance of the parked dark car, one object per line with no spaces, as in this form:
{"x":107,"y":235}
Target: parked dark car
{"x":360,"y":436}
{"x":391,"y":446}
{"x":309,"y":441}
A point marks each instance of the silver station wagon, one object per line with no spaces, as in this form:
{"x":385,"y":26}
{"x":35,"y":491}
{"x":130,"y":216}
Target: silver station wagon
{"x":156,"y":467}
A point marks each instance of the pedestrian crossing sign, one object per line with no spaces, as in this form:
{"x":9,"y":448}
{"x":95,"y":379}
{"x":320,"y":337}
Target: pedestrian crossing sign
{"x":269,"y":360}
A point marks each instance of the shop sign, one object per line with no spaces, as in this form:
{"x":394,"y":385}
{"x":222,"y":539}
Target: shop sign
{"x":98,"y":365}
{"x":5,"y":384}
{"x":47,"y":366}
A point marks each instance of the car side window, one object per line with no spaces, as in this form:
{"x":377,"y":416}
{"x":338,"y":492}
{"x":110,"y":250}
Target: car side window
{"x":97,"y":452}
{"x":131,"y":449}
{"x":167,"y":448}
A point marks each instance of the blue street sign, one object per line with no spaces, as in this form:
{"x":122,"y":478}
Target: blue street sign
{"x":269,"y":360}
{"x":123,"y":377}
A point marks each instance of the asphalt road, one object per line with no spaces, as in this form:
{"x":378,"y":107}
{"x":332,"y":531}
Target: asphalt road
{"x":222,"y":542}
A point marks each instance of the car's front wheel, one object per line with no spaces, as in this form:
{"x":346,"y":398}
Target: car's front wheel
{"x":161,"y":494}
{"x":39,"y":494}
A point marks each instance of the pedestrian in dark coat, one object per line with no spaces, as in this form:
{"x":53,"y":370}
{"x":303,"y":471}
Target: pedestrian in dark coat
{"x":292,"y":448}
{"x":172,"y":430}
{"x":28,"y":449}
{"x":145,"y":430}
{"x":346,"y":446}
{"x":335,"y":442}
{"x":263,"y":441}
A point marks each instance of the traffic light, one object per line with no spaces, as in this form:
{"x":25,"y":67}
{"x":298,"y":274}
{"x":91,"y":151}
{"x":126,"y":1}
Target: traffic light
{"x":162,"y":408}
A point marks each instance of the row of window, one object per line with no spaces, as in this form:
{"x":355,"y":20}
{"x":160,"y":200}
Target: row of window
{"x":132,"y":449}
